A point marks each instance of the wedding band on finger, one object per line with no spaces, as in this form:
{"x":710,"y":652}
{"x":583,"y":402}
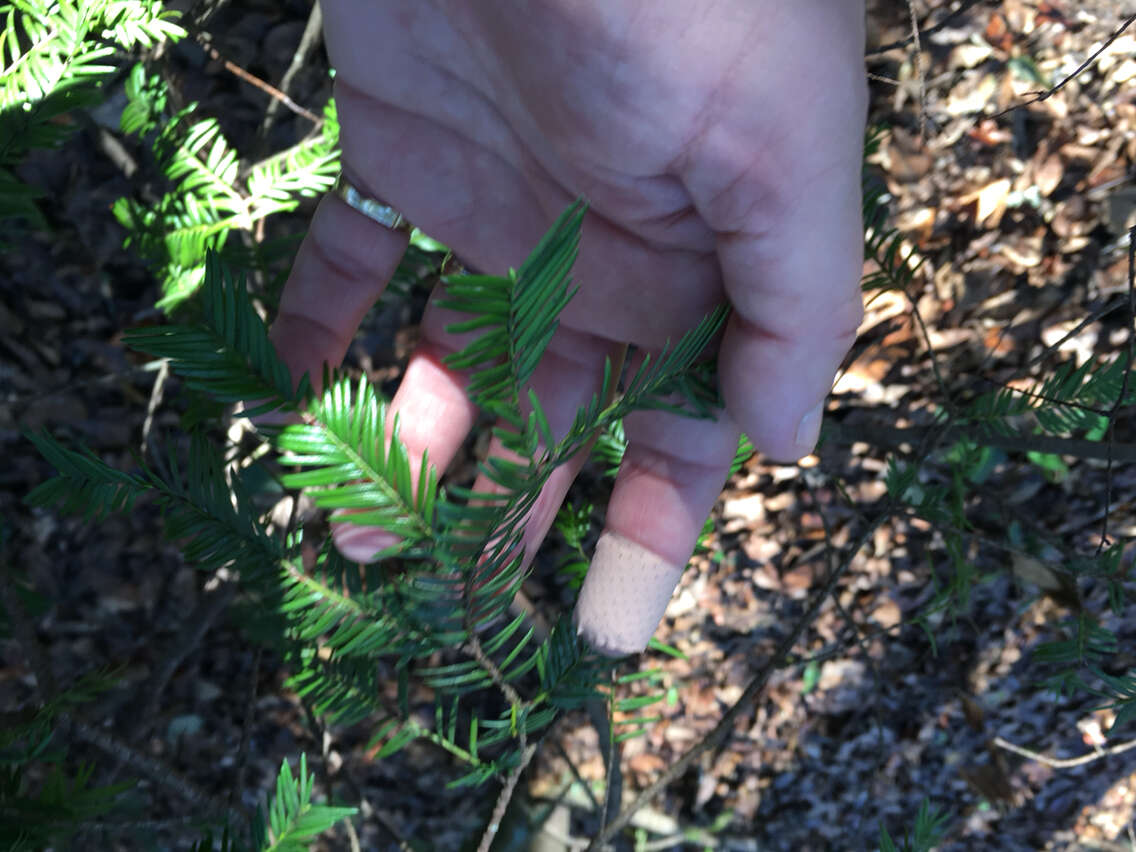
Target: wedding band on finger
{"x":372,"y":208}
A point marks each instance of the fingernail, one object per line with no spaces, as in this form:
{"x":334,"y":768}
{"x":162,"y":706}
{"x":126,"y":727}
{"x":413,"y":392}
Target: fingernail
{"x":624,"y":597}
{"x":808,"y":430}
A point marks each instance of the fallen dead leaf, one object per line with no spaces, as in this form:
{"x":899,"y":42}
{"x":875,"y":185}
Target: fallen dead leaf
{"x":989,"y":201}
{"x":970,"y":54}
{"x":988,"y":133}
{"x":989,"y":781}
{"x":919,"y":222}
{"x":1025,"y":253}
{"x":997,"y":32}
{"x":1048,"y":174}
{"x":887,"y":614}
{"x":647,"y":763}
{"x":749,"y":508}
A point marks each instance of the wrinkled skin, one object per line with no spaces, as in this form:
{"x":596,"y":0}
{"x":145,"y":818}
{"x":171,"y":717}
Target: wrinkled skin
{"x":718,"y":144}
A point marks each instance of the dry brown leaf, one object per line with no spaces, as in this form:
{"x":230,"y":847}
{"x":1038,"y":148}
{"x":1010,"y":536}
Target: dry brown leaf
{"x":647,"y":763}
{"x":887,"y":614}
{"x":988,"y":133}
{"x":1025,"y":253}
{"x":971,"y":95}
{"x":1048,"y":174}
{"x":919,"y":222}
{"x":989,"y":201}
{"x":990,"y":782}
{"x":797,"y":581}
{"x":749,"y":508}
{"x":970,"y":54}
{"x":1049,"y":13}
{"x":973,"y":713}
{"x":998,"y":33}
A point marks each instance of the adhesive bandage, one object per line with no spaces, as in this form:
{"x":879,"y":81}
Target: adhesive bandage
{"x":625,"y":595}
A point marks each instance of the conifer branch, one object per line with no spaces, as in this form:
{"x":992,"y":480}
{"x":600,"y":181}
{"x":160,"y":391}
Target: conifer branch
{"x":350,"y":465}
{"x":153,"y":769}
{"x":24,"y":631}
{"x":885,"y":436}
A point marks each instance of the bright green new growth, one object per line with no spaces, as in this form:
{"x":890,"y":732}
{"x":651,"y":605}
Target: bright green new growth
{"x":292,"y":818}
{"x":54,"y":56}
{"x":207,"y":199}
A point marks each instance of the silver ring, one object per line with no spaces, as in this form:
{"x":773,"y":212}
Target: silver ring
{"x":372,"y":208}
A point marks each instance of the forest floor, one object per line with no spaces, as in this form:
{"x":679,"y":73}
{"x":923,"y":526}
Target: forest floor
{"x":1019,"y":208}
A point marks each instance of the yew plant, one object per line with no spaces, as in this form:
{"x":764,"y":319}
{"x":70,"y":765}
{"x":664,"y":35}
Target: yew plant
{"x":437,"y":610}
{"x":458,"y":557}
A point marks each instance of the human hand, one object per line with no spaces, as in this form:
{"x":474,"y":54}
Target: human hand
{"x":718,"y":146}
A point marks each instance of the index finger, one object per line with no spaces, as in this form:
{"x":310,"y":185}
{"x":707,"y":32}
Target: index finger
{"x":341,"y":269}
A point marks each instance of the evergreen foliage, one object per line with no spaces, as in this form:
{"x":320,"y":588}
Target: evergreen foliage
{"x":458,"y":550}
{"x":1073,"y":398}
{"x":929,"y":830}
{"x":292,"y":818}
{"x":208,"y":199}
{"x":55,"y":56}
{"x":50,"y":809}
{"x":227,"y":355}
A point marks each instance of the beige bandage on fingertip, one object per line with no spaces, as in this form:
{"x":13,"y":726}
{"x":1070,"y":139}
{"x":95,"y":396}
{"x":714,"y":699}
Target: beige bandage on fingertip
{"x":624,"y":596}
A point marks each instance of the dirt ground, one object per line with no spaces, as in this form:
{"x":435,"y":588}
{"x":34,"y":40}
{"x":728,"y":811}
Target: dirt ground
{"x":1021,"y":217}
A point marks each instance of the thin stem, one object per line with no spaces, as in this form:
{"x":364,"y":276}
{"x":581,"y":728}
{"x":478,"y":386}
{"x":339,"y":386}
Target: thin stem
{"x":156,"y":393}
{"x":576,"y":776}
{"x":1064,"y":762}
{"x":268,"y":88}
{"x":369,"y":811}
{"x":506,"y":796}
{"x":926,"y":31}
{"x":1053,"y":90}
{"x":932,"y":354}
{"x":483,"y":660}
{"x":48,"y":37}
{"x":920,"y":75}
{"x":308,"y":42}
{"x":153,"y":769}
